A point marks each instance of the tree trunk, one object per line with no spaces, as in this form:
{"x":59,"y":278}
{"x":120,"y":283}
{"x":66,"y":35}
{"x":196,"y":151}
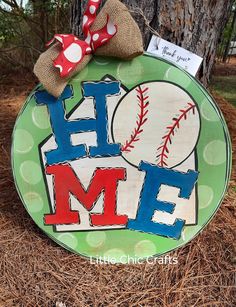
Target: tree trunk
{"x":228,"y":43}
{"x":40,"y":13}
{"x":196,"y":25}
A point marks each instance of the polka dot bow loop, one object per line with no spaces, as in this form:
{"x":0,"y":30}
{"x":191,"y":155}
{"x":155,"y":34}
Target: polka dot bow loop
{"x":74,"y":49}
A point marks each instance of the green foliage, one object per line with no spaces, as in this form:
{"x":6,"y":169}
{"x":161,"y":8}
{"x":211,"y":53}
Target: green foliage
{"x":6,"y":31}
{"x":49,"y":5}
{"x":39,"y":15}
{"x":28,"y":26}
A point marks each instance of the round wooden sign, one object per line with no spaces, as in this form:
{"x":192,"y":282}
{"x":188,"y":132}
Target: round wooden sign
{"x":131,"y":162}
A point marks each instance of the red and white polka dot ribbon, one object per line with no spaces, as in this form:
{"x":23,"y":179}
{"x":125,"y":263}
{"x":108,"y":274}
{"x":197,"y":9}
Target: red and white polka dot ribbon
{"x":74,"y":49}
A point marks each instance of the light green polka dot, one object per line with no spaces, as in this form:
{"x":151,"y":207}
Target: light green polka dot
{"x":183,"y":234}
{"x":96,"y":238}
{"x":215,"y":152}
{"x":81,"y":75}
{"x":101,"y":60}
{"x":34,"y":202}
{"x":145,"y":248}
{"x":115,"y":255}
{"x":130,"y":72}
{"x":68,"y":239}
{"x":175,"y":75}
{"x":40,"y":117}
{"x":30,"y":172}
{"x":186,"y":233}
{"x":205,"y":194}
{"x":208,"y":112}
{"x":23,"y":141}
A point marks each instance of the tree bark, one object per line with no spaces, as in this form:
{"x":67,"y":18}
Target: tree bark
{"x":196,"y":25}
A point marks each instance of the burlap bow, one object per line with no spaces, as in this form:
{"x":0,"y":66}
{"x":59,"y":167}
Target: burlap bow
{"x":123,"y":41}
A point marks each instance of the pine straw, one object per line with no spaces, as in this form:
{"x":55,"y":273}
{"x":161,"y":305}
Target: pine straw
{"x":37,"y":272}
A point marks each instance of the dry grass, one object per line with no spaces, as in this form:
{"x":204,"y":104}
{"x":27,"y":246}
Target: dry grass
{"x":34,"y":271}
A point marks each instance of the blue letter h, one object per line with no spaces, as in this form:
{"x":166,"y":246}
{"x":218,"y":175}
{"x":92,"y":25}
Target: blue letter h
{"x":63,"y":129}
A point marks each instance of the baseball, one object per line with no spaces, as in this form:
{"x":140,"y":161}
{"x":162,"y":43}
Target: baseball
{"x":156,"y":122}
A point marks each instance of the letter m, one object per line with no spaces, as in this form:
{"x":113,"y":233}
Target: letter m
{"x":66,"y":183}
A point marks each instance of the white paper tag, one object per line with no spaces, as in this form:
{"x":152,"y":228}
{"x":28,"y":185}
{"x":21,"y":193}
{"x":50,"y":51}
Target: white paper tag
{"x":180,"y":56}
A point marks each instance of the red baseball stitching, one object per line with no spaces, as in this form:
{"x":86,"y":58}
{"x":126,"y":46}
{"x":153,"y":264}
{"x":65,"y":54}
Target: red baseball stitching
{"x":143,"y":104}
{"x":163,"y":155}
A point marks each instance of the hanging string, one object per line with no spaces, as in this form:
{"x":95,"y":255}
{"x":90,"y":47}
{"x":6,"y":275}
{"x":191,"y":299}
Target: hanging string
{"x":140,"y":12}
{"x":146,"y":21}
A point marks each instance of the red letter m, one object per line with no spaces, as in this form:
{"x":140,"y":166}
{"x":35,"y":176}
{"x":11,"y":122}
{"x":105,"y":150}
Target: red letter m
{"x":103,"y":181}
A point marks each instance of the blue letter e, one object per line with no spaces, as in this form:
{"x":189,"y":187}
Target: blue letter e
{"x":155,"y":177}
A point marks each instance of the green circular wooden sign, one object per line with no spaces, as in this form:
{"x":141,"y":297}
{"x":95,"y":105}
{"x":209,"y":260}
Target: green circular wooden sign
{"x":131,"y":162}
